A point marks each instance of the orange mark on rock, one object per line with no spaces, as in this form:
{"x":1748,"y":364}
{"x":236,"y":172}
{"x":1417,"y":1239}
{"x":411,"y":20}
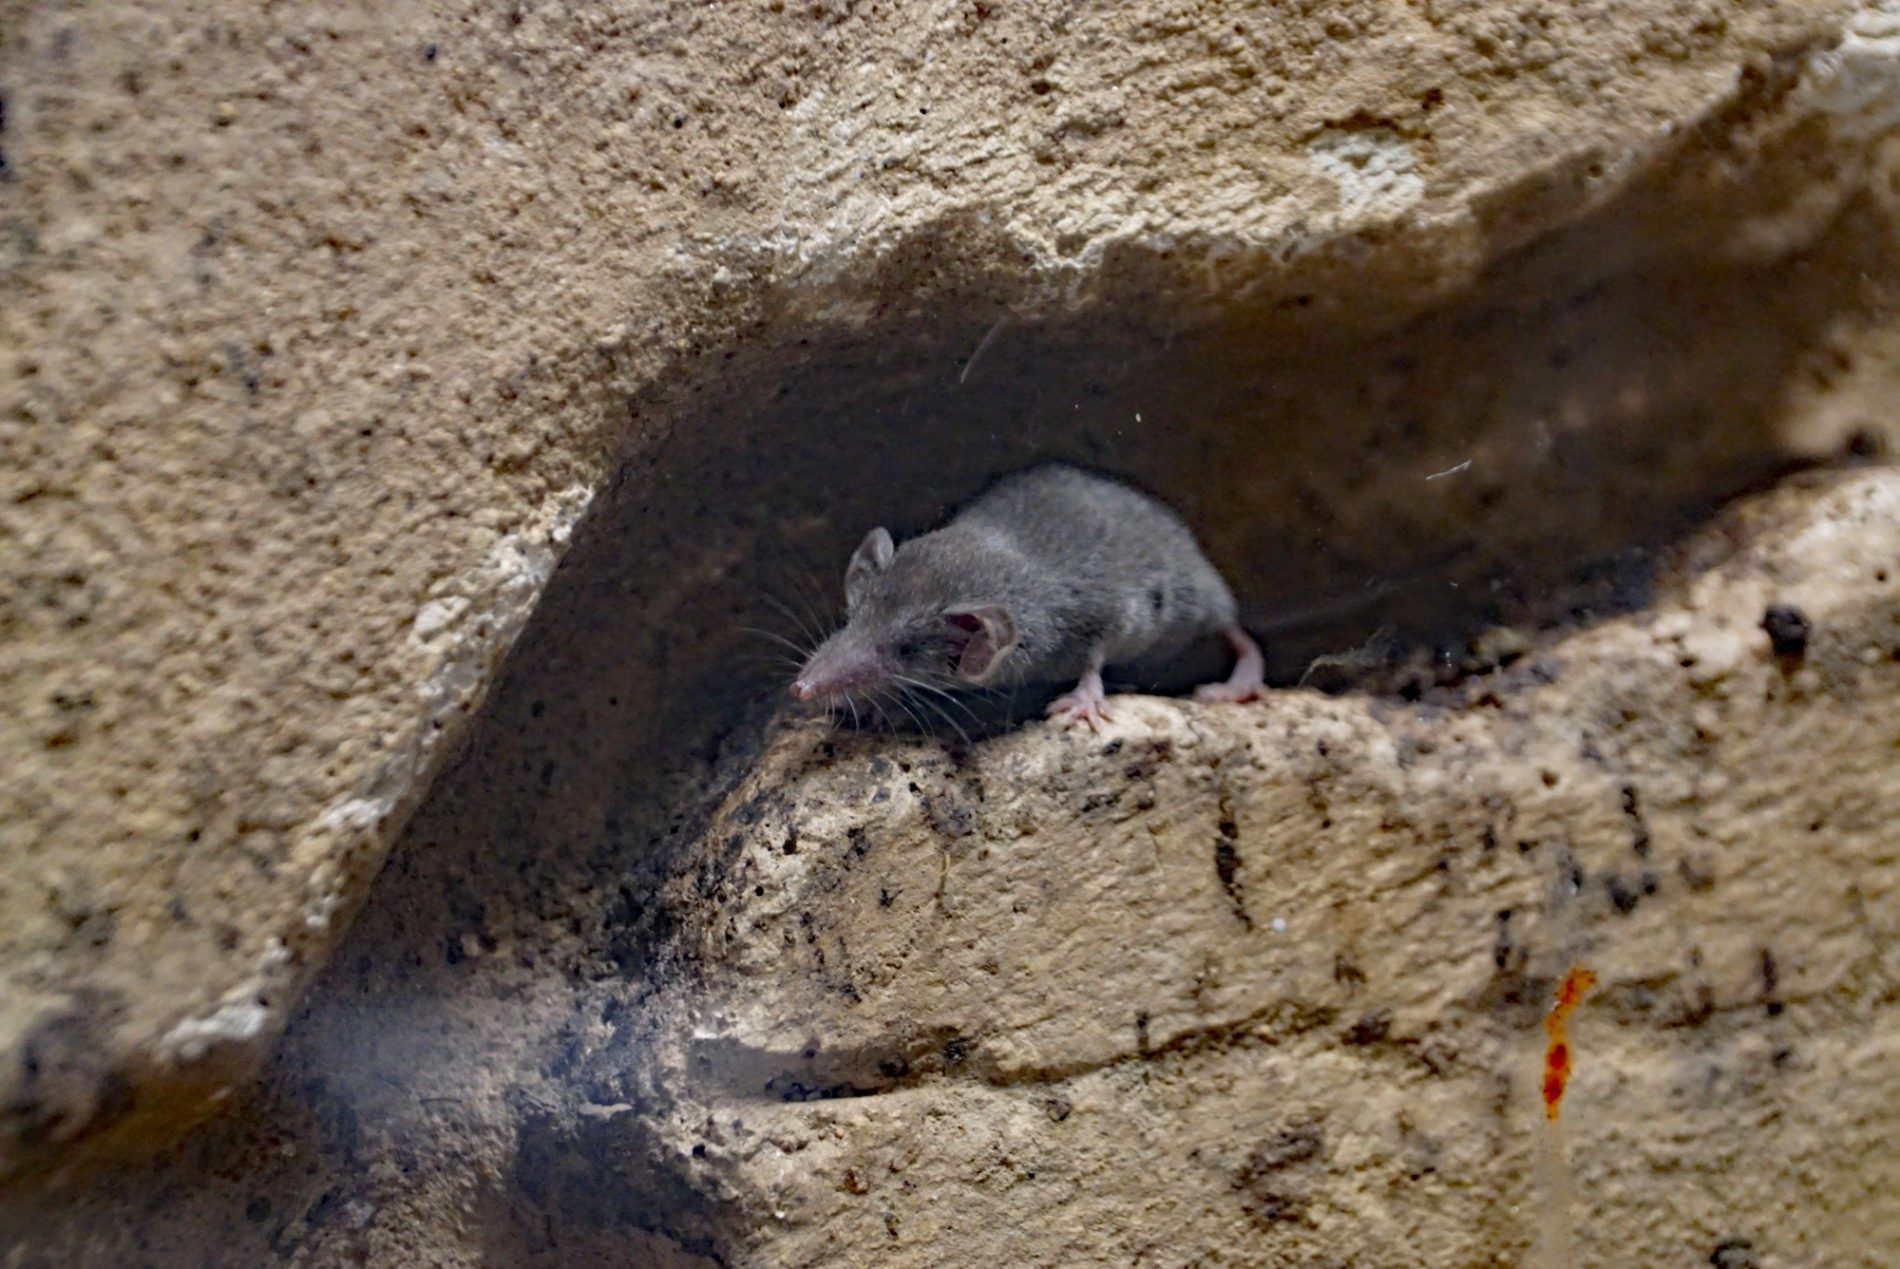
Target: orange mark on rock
{"x":1557,"y":1057}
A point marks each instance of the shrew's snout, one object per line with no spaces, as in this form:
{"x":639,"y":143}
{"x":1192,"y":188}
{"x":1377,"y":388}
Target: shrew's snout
{"x":835,"y":669}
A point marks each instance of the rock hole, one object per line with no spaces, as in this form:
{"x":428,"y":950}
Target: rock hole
{"x":1322,"y":428}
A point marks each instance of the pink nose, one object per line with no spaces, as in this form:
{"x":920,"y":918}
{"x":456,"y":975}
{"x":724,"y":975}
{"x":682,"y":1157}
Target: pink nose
{"x":803,"y":690}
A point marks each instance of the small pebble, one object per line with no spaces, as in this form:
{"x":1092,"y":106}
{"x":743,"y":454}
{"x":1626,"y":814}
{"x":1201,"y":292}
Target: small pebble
{"x":1787,"y":628}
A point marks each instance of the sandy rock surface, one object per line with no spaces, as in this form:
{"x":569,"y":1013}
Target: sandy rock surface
{"x":344,"y":352}
{"x":1219,"y":985}
{"x":1246,"y":986}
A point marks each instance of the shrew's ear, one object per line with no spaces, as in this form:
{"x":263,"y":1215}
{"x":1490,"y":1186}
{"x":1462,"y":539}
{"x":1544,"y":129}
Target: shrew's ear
{"x":987,"y":633}
{"x":872,"y":557}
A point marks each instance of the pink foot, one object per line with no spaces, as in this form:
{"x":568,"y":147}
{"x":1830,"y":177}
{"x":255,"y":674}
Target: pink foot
{"x":1088,"y":703}
{"x":1247,"y":682}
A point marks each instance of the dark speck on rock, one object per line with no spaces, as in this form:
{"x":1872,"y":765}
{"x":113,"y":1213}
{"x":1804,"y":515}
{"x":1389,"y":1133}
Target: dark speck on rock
{"x":949,"y":817}
{"x":1372,"y":1027}
{"x":1267,"y":1194}
{"x":1788,"y":630}
{"x":1734,"y":1253}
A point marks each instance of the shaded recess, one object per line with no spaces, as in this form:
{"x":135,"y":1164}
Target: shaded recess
{"x":1490,"y":457}
{"x":1591,"y":397}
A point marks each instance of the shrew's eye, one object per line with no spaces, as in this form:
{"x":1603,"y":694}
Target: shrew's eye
{"x":906,"y":650}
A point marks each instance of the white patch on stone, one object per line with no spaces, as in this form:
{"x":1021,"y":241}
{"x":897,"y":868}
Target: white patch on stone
{"x":241,"y":1015}
{"x":1374,"y":168}
{"x":495,"y":601}
{"x":1857,"y":82}
{"x":489,"y":605}
{"x":468,"y":628}
{"x":234,"y":1022}
{"x":436,"y":616}
{"x":1824,"y":537}
{"x":352,"y":814}
{"x":321,"y":907}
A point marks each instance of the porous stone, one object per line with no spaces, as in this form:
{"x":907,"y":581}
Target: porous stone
{"x":329,"y":337}
{"x":1264,"y":986}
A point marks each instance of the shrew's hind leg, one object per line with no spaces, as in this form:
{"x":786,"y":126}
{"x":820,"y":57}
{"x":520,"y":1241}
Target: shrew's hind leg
{"x":1247,"y":682}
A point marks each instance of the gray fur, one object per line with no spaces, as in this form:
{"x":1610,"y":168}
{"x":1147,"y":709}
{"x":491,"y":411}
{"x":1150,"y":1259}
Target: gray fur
{"x":1089,"y":572}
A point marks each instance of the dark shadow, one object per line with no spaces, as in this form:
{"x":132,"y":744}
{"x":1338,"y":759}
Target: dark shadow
{"x":1506,"y":459}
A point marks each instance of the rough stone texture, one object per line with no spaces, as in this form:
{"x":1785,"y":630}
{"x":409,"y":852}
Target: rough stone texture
{"x":1219,"y":985}
{"x":1229,"y":986}
{"x":322,"y":329}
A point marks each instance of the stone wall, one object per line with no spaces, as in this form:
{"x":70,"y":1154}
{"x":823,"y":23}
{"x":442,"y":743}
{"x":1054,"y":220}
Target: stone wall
{"x":331,"y":335}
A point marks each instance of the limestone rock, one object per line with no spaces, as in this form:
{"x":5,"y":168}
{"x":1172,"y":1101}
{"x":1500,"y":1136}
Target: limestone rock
{"x":1264,"y":986}
{"x":328,"y":337}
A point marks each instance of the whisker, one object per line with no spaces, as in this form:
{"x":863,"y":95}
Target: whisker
{"x":935,"y":689}
{"x":816,"y":609}
{"x":887,"y":719}
{"x":817,"y":599}
{"x":896,"y":698}
{"x":798,"y":650}
{"x":819,"y":609}
{"x":807,"y":629}
{"x":959,"y":699}
{"x":761,"y":659}
{"x":913,"y":681}
{"x":920,"y":709}
{"x":927,"y":703}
